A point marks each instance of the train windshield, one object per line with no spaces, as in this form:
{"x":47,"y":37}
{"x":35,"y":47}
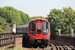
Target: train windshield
{"x":45,"y":28}
{"x":38,"y":29}
{"x":32,"y":28}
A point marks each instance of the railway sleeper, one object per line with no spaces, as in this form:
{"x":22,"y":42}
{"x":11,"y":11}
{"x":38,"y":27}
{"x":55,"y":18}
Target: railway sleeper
{"x":48,"y":48}
{"x":53,"y":47}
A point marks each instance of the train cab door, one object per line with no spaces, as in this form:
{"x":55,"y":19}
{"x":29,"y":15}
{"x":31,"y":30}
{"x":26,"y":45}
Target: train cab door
{"x":38,"y":31}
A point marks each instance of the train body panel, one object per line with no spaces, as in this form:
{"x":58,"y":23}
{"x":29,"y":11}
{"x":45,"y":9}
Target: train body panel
{"x":22,"y":29}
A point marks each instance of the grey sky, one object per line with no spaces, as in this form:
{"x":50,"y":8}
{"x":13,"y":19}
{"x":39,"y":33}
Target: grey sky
{"x":37,"y":7}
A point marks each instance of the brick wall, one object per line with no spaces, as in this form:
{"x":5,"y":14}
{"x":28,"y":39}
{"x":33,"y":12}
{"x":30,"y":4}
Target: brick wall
{"x":18,"y":42}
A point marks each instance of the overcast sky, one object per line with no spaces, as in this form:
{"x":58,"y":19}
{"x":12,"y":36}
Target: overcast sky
{"x":37,"y":7}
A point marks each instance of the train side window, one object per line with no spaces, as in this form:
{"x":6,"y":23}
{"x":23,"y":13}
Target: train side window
{"x":45,"y":28}
{"x":20,"y":30}
{"x":32,"y":28}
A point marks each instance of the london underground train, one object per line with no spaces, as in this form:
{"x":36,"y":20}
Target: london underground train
{"x":38,"y":31}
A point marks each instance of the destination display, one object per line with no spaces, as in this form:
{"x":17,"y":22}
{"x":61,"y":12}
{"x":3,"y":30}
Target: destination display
{"x":38,"y":21}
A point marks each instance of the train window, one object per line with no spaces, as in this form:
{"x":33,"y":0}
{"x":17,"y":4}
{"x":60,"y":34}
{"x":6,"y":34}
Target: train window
{"x":38,"y":29}
{"x":45,"y":28}
{"x":32,"y":28}
{"x":20,"y":30}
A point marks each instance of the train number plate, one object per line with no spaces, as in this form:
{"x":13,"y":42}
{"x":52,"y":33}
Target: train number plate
{"x":38,"y":40}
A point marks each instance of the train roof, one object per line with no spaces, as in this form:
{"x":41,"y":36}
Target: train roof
{"x":22,"y":26}
{"x":39,"y":19}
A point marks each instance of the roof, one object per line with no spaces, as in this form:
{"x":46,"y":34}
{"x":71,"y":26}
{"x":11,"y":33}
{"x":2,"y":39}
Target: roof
{"x":22,"y":26}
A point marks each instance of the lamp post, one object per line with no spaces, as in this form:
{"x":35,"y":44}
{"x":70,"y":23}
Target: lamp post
{"x":14,"y":28}
{"x":72,"y":32}
{"x":59,"y":31}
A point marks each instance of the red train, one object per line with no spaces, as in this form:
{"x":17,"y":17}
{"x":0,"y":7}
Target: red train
{"x":38,"y":31}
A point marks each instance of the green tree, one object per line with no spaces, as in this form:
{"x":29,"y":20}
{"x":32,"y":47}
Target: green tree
{"x":63,"y":19}
{"x":69,"y":18}
{"x":3,"y":25}
{"x":24,"y":18}
{"x":55,"y":18}
{"x":10,"y":14}
{"x":13,"y":15}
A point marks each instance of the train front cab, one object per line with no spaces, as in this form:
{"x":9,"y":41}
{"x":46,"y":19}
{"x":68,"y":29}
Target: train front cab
{"x":39,"y":32}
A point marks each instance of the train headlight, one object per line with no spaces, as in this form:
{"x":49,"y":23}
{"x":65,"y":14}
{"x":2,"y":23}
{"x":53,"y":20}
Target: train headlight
{"x":44,"y":34}
{"x":32,"y":34}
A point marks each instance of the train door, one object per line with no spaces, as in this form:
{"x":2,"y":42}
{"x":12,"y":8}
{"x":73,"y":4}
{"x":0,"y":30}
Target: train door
{"x":38,"y":31}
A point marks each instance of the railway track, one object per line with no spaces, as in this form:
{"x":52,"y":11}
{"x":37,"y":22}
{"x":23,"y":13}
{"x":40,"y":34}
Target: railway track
{"x":53,"y":45}
{"x":62,"y":46}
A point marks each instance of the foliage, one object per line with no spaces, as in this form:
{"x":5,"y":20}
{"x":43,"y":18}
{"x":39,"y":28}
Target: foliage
{"x":24,"y":18}
{"x":14,"y":48}
{"x":13,"y":15}
{"x":3,"y":25}
{"x":9,"y":15}
{"x":37,"y":17}
{"x":63,"y":19}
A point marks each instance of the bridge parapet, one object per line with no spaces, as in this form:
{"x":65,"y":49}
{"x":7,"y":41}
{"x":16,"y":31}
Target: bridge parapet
{"x":9,"y":39}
